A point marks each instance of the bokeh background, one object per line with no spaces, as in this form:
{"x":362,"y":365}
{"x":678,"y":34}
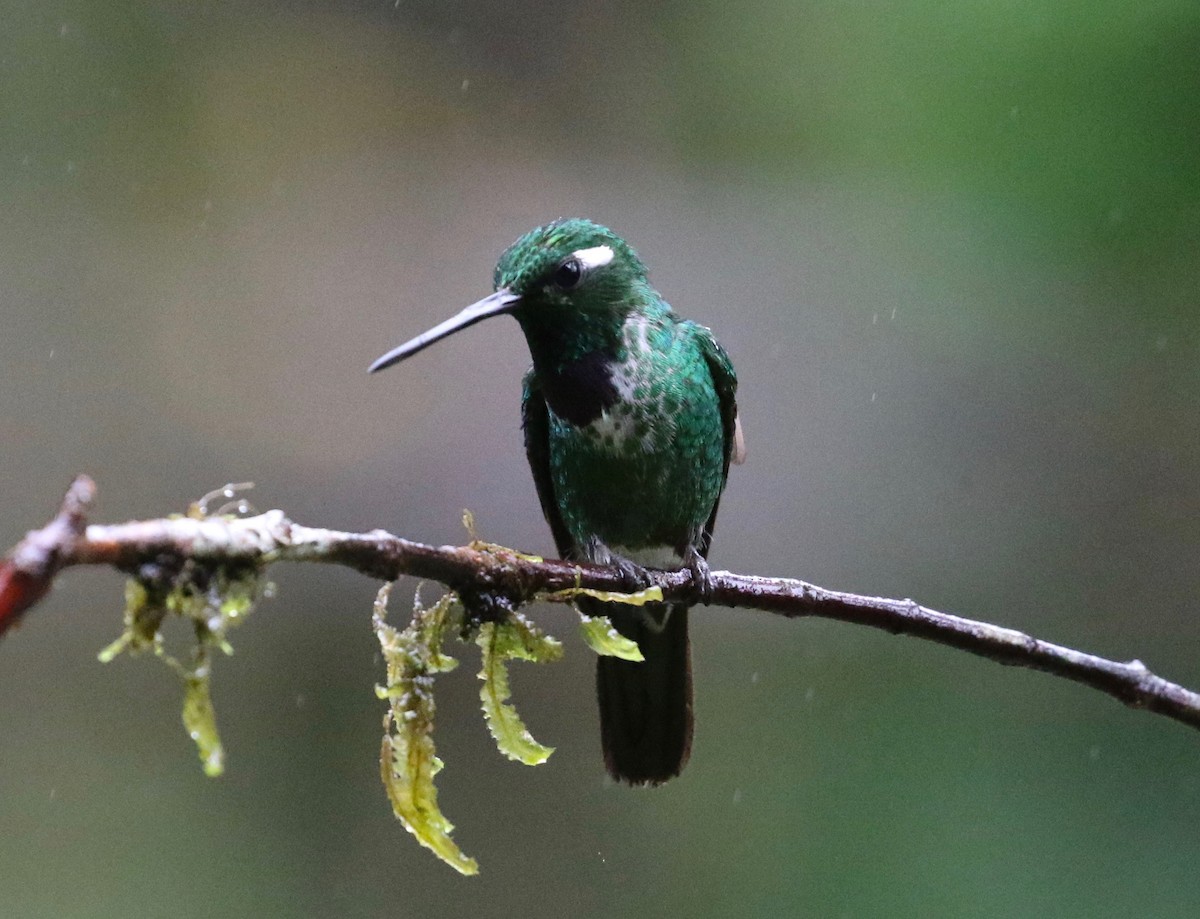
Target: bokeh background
{"x":954,"y":251}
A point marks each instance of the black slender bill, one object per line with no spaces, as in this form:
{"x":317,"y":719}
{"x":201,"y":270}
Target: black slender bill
{"x":499,"y":302}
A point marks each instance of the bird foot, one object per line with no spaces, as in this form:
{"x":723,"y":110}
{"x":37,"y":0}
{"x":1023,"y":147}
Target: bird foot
{"x":633,"y":576}
{"x":702,"y":580}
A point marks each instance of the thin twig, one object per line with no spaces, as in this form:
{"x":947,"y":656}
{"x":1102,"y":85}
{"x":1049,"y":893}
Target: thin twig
{"x":483,"y":572}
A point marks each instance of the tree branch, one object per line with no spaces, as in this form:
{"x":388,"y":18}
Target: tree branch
{"x":484,"y":574}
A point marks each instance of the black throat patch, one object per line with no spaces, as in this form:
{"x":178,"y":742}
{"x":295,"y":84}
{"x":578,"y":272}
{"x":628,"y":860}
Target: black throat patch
{"x":579,"y":391}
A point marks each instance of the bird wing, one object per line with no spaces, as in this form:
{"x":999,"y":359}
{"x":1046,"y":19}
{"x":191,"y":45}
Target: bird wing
{"x":535,"y":422}
{"x":725,"y":383}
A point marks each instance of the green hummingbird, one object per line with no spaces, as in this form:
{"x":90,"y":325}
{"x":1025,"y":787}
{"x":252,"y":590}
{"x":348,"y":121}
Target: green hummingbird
{"x":630,"y":425}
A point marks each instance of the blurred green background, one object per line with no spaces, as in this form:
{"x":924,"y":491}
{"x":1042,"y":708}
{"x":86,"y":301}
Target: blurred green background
{"x":954,"y":251}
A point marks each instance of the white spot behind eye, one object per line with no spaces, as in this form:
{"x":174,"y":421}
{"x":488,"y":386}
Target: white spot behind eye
{"x":594,"y":257}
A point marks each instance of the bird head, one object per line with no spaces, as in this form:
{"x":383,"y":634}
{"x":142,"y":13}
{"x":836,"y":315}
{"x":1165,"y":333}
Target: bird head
{"x":570,"y":284}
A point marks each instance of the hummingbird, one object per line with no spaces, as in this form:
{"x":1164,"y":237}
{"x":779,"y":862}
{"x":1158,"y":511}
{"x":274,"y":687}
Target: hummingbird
{"x":630,"y":424}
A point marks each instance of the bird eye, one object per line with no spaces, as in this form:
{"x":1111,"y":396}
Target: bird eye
{"x":568,"y":274}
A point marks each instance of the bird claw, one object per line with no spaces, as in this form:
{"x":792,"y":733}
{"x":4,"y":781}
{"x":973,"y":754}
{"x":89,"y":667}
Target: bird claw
{"x":702,"y":579}
{"x":633,"y":576}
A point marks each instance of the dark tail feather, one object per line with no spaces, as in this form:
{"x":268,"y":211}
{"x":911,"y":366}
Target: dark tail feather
{"x":646,"y":708}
